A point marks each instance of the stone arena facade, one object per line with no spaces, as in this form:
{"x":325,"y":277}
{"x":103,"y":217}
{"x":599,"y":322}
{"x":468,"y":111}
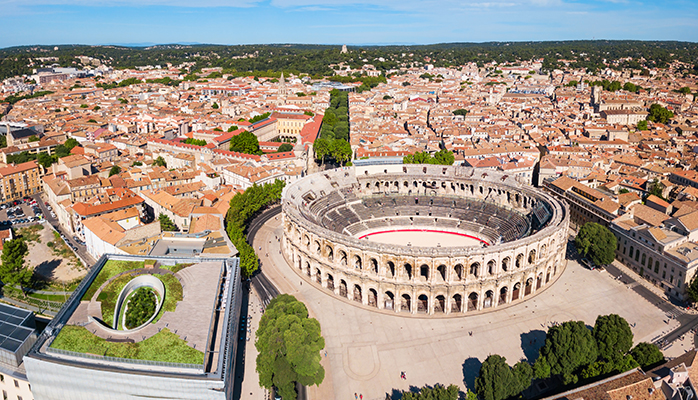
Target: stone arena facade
{"x":523,"y":233}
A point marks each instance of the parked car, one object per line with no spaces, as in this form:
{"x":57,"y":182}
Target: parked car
{"x":588,"y":263}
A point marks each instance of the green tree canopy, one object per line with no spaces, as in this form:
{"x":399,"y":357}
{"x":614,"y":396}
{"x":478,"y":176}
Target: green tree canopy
{"x":289,"y":345}
{"x":568,"y":347}
{"x":322,"y":149}
{"x":642,"y":125}
{"x":258,"y":118}
{"x":245,"y":142}
{"x":340,"y":150}
{"x":442,"y":157}
{"x":438,"y":392}
{"x":646,"y":354}
{"x":596,"y":242}
{"x":166,"y":224}
{"x":114,"y":170}
{"x":12,"y":271}
{"x":613,"y":337}
{"x":460,"y":111}
{"x":498,"y":381}
{"x":285,"y":147}
{"x":243,"y":207}
{"x":195,"y":142}
{"x":160,"y":162}
{"x":630,"y":87}
{"x":656,"y":188}
{"x":659,"y":114}
{"x":692,"y":289}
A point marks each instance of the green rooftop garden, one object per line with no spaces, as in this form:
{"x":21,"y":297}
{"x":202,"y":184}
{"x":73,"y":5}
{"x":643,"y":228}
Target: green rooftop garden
{"x":110,"y":268}
{"x":164,"y":346}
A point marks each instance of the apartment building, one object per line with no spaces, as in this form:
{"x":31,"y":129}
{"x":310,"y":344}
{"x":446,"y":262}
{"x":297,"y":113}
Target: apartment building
{"x":17,"y":181}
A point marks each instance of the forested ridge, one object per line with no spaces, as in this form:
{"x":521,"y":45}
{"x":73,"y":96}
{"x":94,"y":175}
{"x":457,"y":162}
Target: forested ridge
{"x":316,"y":59}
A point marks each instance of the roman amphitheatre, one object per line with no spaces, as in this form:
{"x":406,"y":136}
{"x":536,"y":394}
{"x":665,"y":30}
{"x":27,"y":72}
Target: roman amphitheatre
{"x":423,"y":239}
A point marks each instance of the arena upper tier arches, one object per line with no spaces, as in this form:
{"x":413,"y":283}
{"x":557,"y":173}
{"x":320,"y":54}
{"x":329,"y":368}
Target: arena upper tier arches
{"x":361,"y":234}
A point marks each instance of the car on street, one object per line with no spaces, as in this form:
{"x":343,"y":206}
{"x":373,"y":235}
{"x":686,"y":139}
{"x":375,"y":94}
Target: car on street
{"x":588,"y":263}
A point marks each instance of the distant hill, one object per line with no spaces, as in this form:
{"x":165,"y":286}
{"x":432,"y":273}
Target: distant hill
{"x":314,"y":59}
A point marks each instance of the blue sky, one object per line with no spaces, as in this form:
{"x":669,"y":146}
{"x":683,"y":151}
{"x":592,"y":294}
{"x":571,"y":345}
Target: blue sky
{"x":27,"y":22}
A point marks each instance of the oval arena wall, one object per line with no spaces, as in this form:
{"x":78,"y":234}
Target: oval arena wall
{"x":325,"y":214}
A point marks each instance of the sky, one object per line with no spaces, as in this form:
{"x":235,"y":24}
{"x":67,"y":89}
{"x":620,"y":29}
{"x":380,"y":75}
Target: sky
{"x":49,"y":22}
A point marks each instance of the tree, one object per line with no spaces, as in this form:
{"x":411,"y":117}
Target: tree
{"x":646,"y":354}
{"x":245,"y":142}
{"x":322,"y":149}
{"x":596,"y":242}
{"x":659,"y":114}
{"x":340,"y":150}
{"x":166,"y":224}
{"x":630,"y":87}
{"x":214,"y":106}
{"x":233,"y":128}
{"x":33,"y":138}
{"x":289,"y":345}
{"x":438,"y":392}
{"x":285,"y":147}
{"x":114,"y":170}
{"x":45,"y":160}
{"x":12,"y":271}
{"x":330,"y":118}
{"x":613,"y":337}
{"x":692,"y":289}
{"x":656,"y":188}
{"x":568,"y":347}
{"x":642,"y":125}
{"x":258,"y":118}
{"x":195,"y":142}
{"x":460,"y":111}
{"x":160,"y":162}
{"x":444,"y":157}
{"x":498,"y":381}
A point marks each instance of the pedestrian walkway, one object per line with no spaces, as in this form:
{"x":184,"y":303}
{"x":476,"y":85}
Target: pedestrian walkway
{"x":639,"y":280}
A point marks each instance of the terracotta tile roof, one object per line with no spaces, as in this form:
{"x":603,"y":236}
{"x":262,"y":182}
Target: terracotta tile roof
{"x":85,"y":210}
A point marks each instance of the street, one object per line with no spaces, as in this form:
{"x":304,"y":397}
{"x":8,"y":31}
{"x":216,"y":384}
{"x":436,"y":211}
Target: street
{"x":81,"y":250}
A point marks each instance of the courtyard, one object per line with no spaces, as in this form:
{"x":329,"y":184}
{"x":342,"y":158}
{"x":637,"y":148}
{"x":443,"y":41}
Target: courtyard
{"x":367,"y":350}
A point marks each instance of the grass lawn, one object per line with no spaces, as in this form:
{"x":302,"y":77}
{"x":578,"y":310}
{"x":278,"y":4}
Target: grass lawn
{"x":50,"y":297}
{"x":175,"y":268}
{"x":109,"y":296}
{"x":164,"y":346}
{"x":110,"y":268}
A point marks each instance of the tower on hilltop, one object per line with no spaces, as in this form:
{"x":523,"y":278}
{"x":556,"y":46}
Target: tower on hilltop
{"x":344,"y":49}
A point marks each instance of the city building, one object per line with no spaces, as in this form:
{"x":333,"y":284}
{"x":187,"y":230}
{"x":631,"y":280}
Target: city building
{"x":201,"y":331}
{"x":17,"y":181}
{"x":17,"y":336}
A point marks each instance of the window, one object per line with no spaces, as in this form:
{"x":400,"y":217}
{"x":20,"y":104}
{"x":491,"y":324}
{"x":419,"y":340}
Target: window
{"x":19,"y":397}
{"x":663,"y":274}
{"x":16,"y":383}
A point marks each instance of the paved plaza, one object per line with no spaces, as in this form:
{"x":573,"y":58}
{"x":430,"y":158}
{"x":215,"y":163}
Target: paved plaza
{"x":367,"y":350}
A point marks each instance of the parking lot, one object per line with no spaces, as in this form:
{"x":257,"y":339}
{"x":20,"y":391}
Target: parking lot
{"x":20,"y":213}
